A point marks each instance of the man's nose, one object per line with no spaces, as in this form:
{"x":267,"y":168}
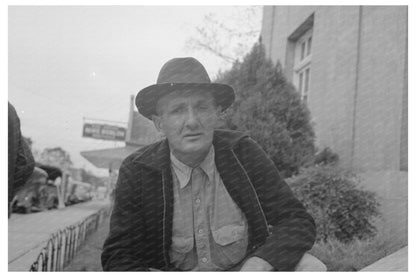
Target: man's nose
{"x":192,"y":118}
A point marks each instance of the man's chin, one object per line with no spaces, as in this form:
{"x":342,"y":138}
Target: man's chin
{"x":195,"y":146}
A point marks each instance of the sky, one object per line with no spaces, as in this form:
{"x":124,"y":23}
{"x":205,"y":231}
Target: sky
{"x":67,"y":63}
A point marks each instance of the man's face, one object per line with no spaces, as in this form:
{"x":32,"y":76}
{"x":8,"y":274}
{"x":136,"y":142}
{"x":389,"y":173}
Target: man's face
{"x":188,"y":120}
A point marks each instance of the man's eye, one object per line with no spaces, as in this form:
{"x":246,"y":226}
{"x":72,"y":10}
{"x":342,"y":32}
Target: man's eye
{"x":203,"y":107}
{"x":177,"y":110}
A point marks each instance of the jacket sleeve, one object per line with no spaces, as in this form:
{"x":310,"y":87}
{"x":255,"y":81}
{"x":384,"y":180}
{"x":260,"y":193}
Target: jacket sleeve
{"x":292,"y":229}
{"x":24,"y":165}
{"x":123,"y":248}
{"x":21,"y":162}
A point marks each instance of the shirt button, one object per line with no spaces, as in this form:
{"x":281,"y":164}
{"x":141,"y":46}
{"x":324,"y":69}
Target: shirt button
{"x":198,"y":201}
{"x":200,"y":231}
{"x":204,"y":260}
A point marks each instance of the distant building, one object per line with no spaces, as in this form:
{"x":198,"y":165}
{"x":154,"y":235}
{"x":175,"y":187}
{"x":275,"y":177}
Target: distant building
{"x":140,"y":132}
{"x":349,"y":63}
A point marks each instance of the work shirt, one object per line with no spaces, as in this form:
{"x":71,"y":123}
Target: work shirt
{"x":209,"y":230}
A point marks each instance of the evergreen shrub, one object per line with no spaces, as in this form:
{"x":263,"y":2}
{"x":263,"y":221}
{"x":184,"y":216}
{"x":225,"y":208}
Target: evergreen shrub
{"x":269,"y":108}
{"x":341,"y":209}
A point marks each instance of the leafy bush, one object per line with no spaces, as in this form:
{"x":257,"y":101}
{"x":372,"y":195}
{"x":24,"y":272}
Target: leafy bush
{"x":326,"y":157}
{"x":341,"y":210}
{"x":356,"y":254}
{"x":268,"y":107}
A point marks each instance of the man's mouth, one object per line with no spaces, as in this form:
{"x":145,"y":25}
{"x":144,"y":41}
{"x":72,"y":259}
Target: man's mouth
{"x":193,"y":135}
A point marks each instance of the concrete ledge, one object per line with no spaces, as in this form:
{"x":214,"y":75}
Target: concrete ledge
{"x":398,"y":261}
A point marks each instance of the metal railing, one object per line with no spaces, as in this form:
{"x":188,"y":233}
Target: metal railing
{"x":64,"y":244}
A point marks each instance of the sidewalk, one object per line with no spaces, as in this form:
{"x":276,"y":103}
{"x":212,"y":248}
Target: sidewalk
{"x":398,"y":261}
{"x":29,"y":233}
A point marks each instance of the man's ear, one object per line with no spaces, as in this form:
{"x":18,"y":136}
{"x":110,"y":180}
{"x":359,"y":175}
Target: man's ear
{"x":157,"y":122}
{"x":220,"y":113}
{"x":220,"y":117}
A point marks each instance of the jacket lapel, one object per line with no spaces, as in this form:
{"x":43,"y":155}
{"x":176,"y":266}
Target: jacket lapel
{"x":238,"y":184}
{"x":158,"y":198}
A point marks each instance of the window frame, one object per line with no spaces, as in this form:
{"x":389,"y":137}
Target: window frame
{"x":302,"y":63}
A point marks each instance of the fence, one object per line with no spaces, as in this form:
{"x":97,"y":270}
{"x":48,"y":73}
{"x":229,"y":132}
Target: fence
{"x":64,"y":244}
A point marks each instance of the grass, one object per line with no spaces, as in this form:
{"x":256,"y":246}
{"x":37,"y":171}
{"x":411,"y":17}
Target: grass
{"x":357,"y":254}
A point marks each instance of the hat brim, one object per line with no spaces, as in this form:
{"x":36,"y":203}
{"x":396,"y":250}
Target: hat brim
{"x":147,"y":98}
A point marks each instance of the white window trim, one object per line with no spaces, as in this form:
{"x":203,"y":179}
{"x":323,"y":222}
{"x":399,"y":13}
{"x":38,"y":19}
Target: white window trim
{"x":301,"y":65}
{"x":303,"y":93}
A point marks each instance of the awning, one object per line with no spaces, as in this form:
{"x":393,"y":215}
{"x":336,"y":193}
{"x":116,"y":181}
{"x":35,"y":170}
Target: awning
{"x":109,"y":158}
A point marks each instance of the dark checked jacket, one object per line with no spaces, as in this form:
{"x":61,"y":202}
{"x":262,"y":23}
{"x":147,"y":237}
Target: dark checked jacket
{"x":280,"y":229}
{"x":21,"y":162}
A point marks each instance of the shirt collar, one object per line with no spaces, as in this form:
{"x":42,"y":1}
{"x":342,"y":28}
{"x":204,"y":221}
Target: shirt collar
{"x":184,"y":172}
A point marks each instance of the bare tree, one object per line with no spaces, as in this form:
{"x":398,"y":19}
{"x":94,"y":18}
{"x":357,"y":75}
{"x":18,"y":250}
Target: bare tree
{"x":228,"y":38}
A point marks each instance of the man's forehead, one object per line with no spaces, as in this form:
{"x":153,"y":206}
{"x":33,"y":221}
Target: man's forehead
{"x":181,"y":96}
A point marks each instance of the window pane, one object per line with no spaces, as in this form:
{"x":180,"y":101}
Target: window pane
{"x":306,"y":80}
{"x":309,"y":46}
{"x":300,"y":82}
{"x":302,"y":51}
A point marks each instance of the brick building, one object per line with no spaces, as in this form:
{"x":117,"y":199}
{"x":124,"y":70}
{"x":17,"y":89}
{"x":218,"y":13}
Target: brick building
{"x":349,"y":63}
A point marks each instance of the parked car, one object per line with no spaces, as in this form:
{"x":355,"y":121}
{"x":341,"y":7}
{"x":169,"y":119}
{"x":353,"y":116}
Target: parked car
{"x":54,"y":173}
{"x":39,"y":192}
{"x":78,"y":192}
{"x":28,"y":198}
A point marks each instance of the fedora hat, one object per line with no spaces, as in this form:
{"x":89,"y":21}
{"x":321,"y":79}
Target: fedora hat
{"x":182,"y":74}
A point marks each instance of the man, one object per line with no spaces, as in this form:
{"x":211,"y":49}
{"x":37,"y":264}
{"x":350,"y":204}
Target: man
{"x":202,"y":199}
{"x":21,"y":162}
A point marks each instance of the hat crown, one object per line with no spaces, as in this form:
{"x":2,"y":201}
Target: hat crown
{"x":183,"y":70}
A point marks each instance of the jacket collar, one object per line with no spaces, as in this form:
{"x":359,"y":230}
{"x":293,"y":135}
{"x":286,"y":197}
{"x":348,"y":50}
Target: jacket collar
{"x":157,"y":156}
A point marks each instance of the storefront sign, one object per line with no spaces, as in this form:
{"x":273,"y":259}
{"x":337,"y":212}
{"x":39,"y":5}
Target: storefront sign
{"x":104,"y":131}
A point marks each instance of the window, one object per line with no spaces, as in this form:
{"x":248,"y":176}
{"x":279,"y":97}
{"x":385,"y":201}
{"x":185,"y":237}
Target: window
{"x":302,"y":64}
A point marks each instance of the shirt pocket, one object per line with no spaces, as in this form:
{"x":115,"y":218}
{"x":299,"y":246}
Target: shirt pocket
{"x":182,"y":244}
{"x":181,"y":252}
{"x":228,"y":234}
{"x":230,"y":245}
